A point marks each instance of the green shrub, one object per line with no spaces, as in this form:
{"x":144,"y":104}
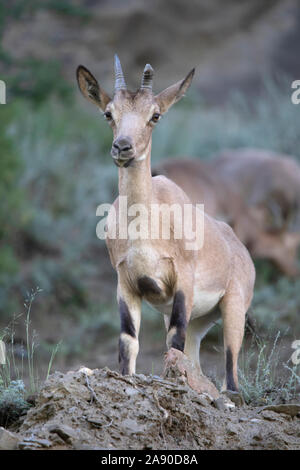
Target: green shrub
{"x":38,"y":80}
{"x":14,"y":395}
{"x":277,"y":306}
{"x":12,"y":402}
{"x":267,"y":121}
{"x":264,"y":377}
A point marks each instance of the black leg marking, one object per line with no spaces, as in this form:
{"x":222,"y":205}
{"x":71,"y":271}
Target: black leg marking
{"x":229,"y":372}
{"x":148,"y":286}
{"x":127,"y":325}
{"x":123,"y":358}
{"x":128,"y":328}
{"x":178,"y":321}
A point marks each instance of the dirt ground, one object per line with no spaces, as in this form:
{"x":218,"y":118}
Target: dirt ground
{"x":101,"y":409}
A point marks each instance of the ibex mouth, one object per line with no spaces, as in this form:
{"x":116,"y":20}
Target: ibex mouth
{"x":122,"y":162}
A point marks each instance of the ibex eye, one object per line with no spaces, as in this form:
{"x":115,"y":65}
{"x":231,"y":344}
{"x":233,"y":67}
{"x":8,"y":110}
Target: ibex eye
{"x":108,"y":116}
{"x":155,"y":117}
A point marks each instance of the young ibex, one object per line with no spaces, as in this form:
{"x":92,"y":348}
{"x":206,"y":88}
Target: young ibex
{"x":192,"y":288}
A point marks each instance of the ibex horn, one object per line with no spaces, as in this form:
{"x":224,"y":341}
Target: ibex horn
{"x":119,"y":76}
{"x":147,"y":77}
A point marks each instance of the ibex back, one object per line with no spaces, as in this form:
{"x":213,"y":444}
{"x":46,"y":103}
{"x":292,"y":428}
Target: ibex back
{"x":248,"y":189}
{"x":192,"y":288}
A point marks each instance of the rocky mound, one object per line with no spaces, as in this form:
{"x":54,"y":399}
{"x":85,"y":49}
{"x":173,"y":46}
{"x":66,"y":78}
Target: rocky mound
{"x":101,"y":409}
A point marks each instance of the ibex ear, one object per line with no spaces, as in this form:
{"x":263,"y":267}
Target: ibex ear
{"x":90,"y":88}
{"x":174,"y":93}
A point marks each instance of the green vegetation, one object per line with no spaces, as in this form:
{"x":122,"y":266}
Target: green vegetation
{"x":19,"y":377}
{"x":12,"y":402}
{"x":11,"y":212}
{"x":33,"y":78}
{"x":277,"y":305}
{"x":268,"y":121}
{"x":258,"y":373}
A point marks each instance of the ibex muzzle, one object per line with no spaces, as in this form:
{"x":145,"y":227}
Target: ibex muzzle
{"x":122,"y":151}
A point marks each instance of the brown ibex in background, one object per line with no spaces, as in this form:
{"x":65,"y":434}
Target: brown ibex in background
{"x":269,"y":184}
{"x":256,"y":191}
{"x":192,"y":288}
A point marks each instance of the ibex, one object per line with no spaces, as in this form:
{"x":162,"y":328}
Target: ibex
{"x":269,"y":184}
{"x":248,"y":189}
{"x":192,"y":288}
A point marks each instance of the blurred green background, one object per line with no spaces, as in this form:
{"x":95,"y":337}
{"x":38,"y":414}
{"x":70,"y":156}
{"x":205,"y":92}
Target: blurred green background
{"x":55,"y":164}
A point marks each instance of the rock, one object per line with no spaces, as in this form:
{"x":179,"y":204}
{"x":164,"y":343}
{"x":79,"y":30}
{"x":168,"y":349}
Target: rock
{"x":79,"y":446}
{"x":69,"y":385}
{"x":130,"y":391}
{"x":271,"y":415}
{"x":234,"y":397}
{"x":142,"y":377}
{"x":232,"y":430}
{"x":8,"y":440}
{"x":34,"y":443}
{"x":133,"y":427}
{"x":56,"y":440}
{"x":219,"y":403}
{"x":85,"y":370}
{"x":223,"y":403}
{"x":257,"y":437}
{"x":47,"y":410}
{"x":203,"y":399}
{"x":66,"y":433}
{"x":242,"y":419}
{"x":178,"y":364}
{"x":291,"y":409}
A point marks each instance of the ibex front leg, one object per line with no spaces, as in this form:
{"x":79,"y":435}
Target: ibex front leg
{"x":130,"y":316}
{"x":177,"y":324}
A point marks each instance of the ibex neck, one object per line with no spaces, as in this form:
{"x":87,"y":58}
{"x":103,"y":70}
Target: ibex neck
{"x":135,"y":182}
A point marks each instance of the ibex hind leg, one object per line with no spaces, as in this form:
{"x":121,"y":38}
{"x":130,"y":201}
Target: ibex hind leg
{"x":196,"y":331}
{"x":233,"y":315}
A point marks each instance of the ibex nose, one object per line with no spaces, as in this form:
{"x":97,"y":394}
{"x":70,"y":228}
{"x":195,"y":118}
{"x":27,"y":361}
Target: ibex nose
{"x":122,"y":145}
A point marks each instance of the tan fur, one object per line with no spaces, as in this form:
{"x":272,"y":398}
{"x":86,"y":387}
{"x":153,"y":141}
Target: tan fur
{"x":216,"y":279}
{"x":269,"y":184}
{"x":243,"y":187}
